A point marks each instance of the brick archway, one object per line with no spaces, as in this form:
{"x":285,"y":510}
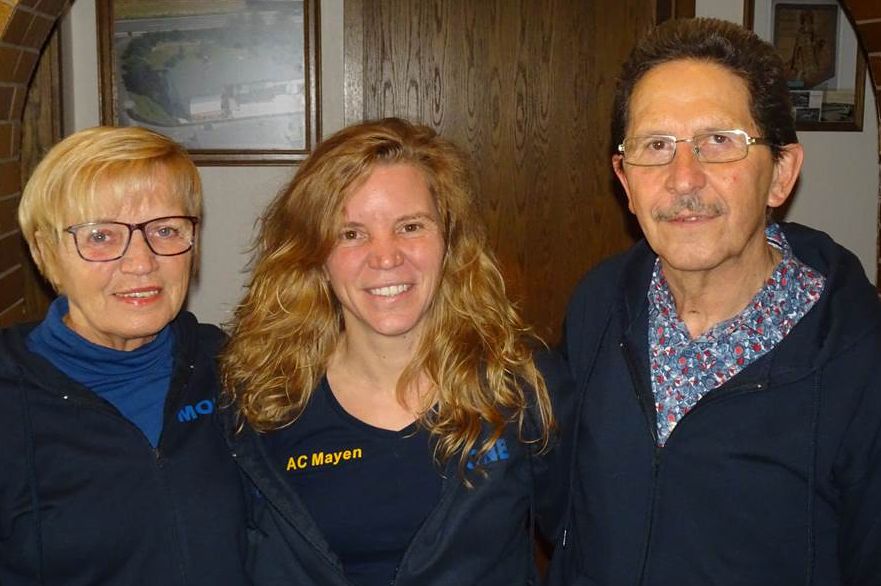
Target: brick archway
{"x":24,"y":27}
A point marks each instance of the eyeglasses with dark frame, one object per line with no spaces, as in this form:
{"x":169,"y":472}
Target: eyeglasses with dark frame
{"x":718,"y":146}
{"x":108,"y":241}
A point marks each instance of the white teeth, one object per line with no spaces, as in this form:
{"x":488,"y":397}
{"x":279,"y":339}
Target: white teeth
{"x":139,"y":294}
{"x":389,"y":291}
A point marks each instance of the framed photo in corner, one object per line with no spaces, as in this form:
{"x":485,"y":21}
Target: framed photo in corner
{"x":234,"y":81}
{"x":825,"y":70}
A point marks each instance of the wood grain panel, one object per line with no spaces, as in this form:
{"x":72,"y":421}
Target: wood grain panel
{"x":353,"y":61}
{"x":525,"y":86}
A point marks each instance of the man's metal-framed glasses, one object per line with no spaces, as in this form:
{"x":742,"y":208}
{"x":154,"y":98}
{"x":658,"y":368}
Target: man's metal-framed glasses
{"x":719,"y":146}
{"x":106,"y":241}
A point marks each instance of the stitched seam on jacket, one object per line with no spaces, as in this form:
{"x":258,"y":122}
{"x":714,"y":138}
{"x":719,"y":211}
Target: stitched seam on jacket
{"x":30,"y":457}
{"x":812,"y":467}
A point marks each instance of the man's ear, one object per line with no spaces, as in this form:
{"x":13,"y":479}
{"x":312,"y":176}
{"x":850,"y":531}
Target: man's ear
{"x":618,"y":167}
{"x":786,"y":170}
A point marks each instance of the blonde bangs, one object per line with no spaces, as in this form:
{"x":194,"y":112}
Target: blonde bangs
{"x":112,"y":183}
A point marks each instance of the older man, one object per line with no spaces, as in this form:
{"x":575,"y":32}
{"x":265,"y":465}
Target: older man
{"x":729,"y":427}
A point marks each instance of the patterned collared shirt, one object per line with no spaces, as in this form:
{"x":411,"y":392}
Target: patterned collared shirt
{"x":684,"y":369}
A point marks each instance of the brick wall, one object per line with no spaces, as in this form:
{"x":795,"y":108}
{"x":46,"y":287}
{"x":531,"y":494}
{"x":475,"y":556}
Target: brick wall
{"x":24,"y":27}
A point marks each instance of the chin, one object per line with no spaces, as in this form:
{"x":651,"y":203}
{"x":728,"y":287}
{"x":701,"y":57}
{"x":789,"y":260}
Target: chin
{"x":397,"y":328}
{"x":690,"y":267}
{"x":689,"y":262}
{"x":146,"y":328}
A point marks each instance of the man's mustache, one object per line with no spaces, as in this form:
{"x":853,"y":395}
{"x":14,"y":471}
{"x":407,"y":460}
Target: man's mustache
{"x":688,"y":203}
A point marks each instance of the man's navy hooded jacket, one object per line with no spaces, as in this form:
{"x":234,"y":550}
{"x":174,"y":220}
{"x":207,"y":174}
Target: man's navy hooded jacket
{"x":773,"y":479}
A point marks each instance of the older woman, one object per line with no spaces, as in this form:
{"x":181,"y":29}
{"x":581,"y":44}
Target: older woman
{"x":114,"y":471}
{"x":391,"y":415}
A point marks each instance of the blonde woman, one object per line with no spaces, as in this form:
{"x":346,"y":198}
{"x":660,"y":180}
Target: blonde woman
{"x":114,"y":470}
{"x":391,"y":416}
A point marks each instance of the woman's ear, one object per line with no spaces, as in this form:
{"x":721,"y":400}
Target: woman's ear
{"x":44,"y":252}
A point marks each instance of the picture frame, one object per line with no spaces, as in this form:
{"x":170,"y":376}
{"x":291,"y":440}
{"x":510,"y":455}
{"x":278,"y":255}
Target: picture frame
{"x":825,"y":69}
{"x":234,"y":81}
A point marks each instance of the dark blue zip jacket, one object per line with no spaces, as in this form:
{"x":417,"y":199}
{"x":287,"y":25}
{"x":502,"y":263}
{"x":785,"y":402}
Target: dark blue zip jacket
{"x":479,"y":536}
{"x":773,"y":479}
{"x":86,"y":500}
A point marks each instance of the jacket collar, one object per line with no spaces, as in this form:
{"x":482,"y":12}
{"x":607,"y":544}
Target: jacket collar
{"x":250,"y":453}
{"x":846,"y":311}
{"x":634,"y":284}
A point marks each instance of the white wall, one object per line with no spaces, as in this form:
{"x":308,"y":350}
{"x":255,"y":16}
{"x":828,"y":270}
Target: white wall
{"x":234,"y":196}
{"x":838,"y":189}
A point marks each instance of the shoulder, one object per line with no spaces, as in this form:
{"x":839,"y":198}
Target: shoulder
{"x":560,"y":383}
{"x":817,"y":249}
{"x":849,"y":307}
{"x":604,"y":282}
{"x":13,"y":351}
{"x":553,"y":369}
{"x":22,"y":374}
{"x":207,"y":339}
{"x":620,"y":279}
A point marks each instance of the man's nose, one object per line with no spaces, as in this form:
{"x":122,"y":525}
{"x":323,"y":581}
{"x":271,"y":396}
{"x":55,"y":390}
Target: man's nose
{"x":685,"y":173}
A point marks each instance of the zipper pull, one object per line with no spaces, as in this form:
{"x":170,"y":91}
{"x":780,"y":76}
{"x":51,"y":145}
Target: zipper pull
{"x":565,"y":536}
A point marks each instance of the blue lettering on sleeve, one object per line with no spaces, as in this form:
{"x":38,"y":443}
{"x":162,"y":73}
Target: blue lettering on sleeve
{"x":190,"y":413}
{"x":499,"y":451}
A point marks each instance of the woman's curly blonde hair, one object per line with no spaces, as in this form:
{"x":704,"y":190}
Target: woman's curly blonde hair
{"x":474,"y":350}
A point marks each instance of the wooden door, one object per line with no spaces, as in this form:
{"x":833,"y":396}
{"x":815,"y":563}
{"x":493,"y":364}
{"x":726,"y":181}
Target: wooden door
{"x":525,"y":86}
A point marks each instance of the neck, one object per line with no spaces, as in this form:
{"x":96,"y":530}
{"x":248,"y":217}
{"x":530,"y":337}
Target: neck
{"x":706,"y":298}
{"x":379,"y":361}
{"x":363,"y":374}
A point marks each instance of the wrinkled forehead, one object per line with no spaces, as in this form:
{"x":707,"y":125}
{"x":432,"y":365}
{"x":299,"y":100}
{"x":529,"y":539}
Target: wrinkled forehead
{"x":690,"y":96}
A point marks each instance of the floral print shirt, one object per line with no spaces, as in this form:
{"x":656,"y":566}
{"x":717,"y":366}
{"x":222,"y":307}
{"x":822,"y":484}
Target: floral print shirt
{"x":684,"y":369}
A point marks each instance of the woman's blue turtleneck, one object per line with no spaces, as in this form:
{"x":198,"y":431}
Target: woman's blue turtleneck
{"x":135,"y":382}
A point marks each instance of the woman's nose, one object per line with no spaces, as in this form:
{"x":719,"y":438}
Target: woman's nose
{"x":385,"y":254}
{"x":138,"y":258}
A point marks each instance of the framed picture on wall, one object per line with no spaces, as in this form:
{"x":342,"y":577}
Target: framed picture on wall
{"x":825,"y":70}
{"x":235,"y":81}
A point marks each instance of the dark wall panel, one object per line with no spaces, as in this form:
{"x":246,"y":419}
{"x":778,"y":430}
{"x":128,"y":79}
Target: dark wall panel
{"x":525,"y":86}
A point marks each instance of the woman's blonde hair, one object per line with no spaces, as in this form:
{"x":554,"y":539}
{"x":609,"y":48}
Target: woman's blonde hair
{"x":474,"y":349}
{"x":85,"y":169}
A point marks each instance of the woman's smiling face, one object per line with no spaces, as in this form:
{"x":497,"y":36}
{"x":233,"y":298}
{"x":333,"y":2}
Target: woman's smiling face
{"x":124,"y":303}
{"x":386,"y":265}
